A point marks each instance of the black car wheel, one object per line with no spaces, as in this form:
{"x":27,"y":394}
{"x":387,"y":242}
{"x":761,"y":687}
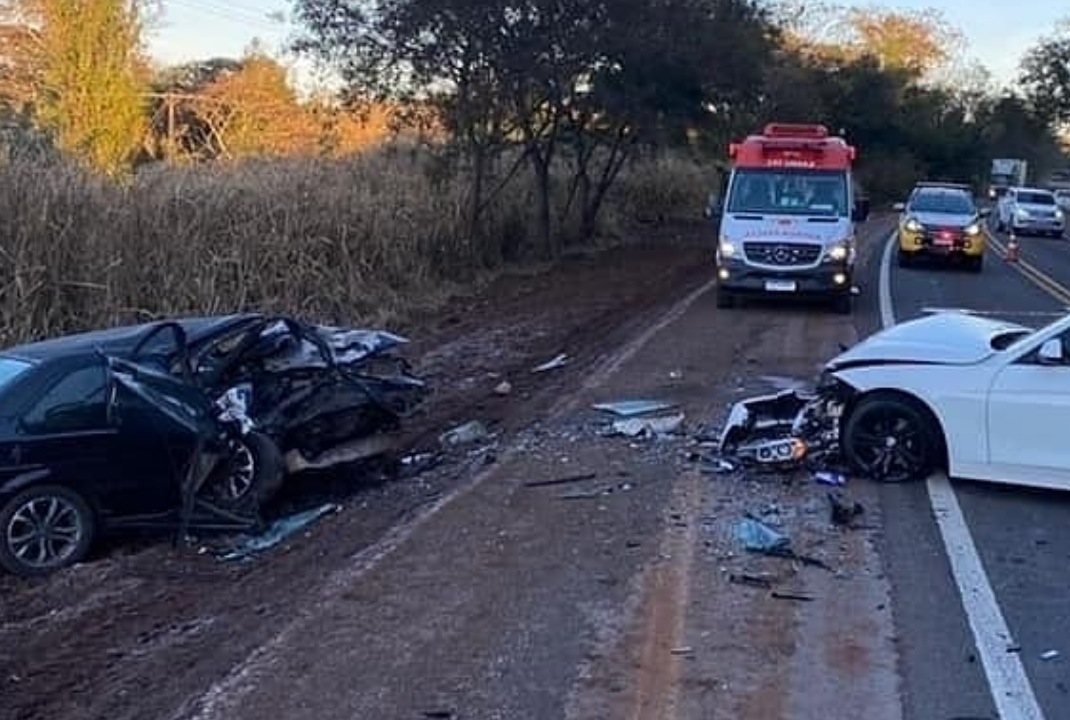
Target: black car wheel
{"x":905,"y":259}
{"x":44,"y":528}
{"x":890,"y":439}
{"x":975,"y":263}
{"x":254,"y":475}
{"x":725,"y":300}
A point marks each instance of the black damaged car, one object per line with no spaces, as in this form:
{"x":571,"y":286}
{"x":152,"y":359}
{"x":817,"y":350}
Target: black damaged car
{"x":191,"y":423}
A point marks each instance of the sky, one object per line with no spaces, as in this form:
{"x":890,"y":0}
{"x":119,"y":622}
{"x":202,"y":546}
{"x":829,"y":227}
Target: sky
{"x":998,"y":32}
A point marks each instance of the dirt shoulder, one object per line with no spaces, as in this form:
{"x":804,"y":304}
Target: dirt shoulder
{"x":464,"y":590}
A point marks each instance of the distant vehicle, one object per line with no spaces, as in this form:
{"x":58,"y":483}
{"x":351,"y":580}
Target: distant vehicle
{"x":190,"y":423}
{"x":1062,"y":199}
{"x":981,"y":399}
{"x":1030,"y":211}
{"x":787,"y":224}
{"x":1004,"y":174}
{"x":941,"y":220}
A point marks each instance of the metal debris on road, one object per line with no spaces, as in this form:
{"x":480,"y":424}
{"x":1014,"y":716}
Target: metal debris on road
{"x":648,"y":427}
{"x":1049,"y":655}
{"x":827,"y":477}
{"x":631,"y":408}
{"x":561,"y":481}
{"x":503,"y":388}
{"x":717,"y":466}
{"x":687,"y":650}
{"x":792,"y":596}
{"x":751,"y":581}
{"x":470,"y":432}
{"x":843,"y":513}
{"x":598,"y":492}
{"x":278,"y":531}
{"x":559,"y":361}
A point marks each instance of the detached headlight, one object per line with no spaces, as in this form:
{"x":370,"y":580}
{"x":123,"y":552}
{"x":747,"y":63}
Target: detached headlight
{"x":913,"y":225}
{"x":973,"y":229}
{"x":727,"y":248}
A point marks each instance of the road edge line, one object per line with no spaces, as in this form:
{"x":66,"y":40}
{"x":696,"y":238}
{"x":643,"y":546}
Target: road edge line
{"x":991,"y":635}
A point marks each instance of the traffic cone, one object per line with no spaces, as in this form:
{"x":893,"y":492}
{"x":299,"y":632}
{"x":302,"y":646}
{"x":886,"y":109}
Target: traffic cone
{"x":1012,"y":250}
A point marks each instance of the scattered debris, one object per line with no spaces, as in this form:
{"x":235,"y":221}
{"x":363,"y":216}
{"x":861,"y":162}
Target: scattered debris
{"x":1015,"y":648}
{"x":675,"y":374}
{"x":842,"y":513}
{"x":792,"y":596}
{"x":780,"y":383}
{"x":1049,"y":655}
{"x":561,"y":481}
{"x":686,"y":650}
{"x":439,"y":714}
{"x":470,"y":432}
{"x":597,"y":493}
{"x":751,"y":580}
{"x":827,"y":477}
{"x":759,"y":537}
{"x":278,"y":531}
{"x":718,"y":466}
{"x":559,"y":361}
{"x":631,"y":408}
{"x":648,"y":427}
{"x":503,"y":388}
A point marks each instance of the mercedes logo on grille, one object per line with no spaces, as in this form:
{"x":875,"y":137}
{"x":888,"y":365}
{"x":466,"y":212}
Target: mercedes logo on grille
{"x":782,"y":255}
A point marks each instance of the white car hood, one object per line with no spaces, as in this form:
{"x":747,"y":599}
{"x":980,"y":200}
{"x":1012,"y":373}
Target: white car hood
{"x":1036,"y":209}
{"x":785,"y":228}
{"x":946,"y":338}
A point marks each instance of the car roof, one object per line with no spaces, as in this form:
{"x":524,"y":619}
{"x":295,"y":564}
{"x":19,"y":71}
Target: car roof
{"x":118,"y":340}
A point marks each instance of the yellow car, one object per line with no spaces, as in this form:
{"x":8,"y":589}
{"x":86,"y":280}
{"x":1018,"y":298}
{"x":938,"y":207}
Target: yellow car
{"x":941,"y":221}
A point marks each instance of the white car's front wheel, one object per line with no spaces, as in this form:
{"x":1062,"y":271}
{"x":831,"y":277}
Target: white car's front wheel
{"x":891,"y":438}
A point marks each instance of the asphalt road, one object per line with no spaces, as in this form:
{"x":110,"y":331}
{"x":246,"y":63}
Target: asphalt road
{"x":1022,"y":537}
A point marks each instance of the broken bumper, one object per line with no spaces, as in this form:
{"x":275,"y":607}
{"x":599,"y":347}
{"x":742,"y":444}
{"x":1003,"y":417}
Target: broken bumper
{"x":786,"y":429}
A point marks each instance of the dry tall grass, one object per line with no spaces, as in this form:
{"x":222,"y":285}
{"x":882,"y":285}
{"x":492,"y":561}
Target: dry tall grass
{"x":367,"y":239}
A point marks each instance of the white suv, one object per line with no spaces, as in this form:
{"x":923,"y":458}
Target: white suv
{"x":1030,"y":211}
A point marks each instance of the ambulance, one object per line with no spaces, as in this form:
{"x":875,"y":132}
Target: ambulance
{"x":788,"y":217}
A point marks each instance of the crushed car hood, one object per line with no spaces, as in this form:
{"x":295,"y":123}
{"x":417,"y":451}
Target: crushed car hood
{"x":946,"y":338}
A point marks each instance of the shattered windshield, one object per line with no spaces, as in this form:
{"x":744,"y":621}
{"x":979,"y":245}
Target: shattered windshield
{"x":789,"y":192}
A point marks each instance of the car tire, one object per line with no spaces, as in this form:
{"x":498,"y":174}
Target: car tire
{"x":975,"y":264}
{"x":725,"y":300}
{"x":865,"y":436}
{"x":71,"y":520}
{"x":905,"y":259}
{"x":255,"y":475}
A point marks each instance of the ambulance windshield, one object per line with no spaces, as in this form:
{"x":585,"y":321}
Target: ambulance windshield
{"x":820,"y":193}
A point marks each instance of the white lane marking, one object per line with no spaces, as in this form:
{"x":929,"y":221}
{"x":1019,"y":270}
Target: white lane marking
{"x":884,"y":284}
{"x":1007,"y":680}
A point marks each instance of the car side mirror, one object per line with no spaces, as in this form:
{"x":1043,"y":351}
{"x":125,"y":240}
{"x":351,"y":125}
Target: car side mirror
{"x":899,"y":207}
{"x":713,"y":207}
{"x":1051,"y":352}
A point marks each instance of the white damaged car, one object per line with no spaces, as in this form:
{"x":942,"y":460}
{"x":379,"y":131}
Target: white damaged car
{"x":979,"y":398}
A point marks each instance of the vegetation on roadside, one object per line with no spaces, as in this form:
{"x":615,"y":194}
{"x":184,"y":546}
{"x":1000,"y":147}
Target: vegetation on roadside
{"x":467,"y":135}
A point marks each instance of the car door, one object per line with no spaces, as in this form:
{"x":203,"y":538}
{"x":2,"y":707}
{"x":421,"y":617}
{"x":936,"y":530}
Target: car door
{"x":63,"y":432}
{"x":1029,"y":415}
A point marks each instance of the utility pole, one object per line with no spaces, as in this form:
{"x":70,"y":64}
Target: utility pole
{"x":171,"y":150}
